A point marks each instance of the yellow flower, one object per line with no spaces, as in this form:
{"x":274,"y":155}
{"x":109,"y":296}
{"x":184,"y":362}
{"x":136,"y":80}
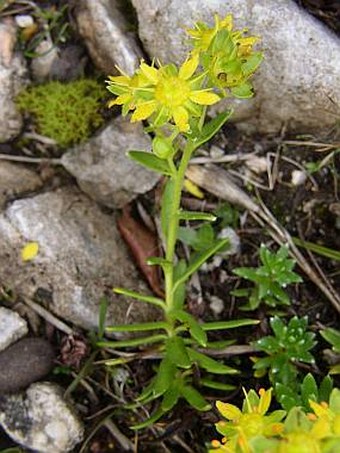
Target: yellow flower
{"x":226,"y":55}
{"x":202,"y":35}
{"x":251,"y":422}
{"x":167,"y":94}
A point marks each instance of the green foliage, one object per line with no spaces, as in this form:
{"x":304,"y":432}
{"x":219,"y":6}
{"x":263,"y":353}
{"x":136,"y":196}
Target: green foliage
{"x":333,"y":337}
{"x":275,"y":273}
{"x":290,"y":344}
{"x":67,"y":113}
{"x":174,"y":101}
{"x":254,"y":430}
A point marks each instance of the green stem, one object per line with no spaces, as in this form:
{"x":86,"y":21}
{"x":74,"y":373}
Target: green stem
{"x":174,"y":223}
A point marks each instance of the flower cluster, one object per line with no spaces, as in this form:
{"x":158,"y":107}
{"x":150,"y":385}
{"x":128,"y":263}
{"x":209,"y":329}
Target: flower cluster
{"x":244,"y":425}
{"x":252,"y":431}
{"x":165,"y":94}
{"x":221,"y":59}
{"x":226,"y":55}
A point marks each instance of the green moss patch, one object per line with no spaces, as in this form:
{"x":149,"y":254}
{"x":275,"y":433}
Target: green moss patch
{"x":65,"y":112}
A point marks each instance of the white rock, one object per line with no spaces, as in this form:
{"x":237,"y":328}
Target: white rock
{"x":257,"y":164}
{"x":47,"y":54}
{"x":13,"y":79}
{"x":81,"y":258}
{"x":106,"y":35}
{"x":103,"y":170}
{"x":16,"y":180}
{"x":216,"y":305}
{"x":12,"y":327}
{"x":24,"y":20}
{"x":298,"y":177}
{"x":41,"y":420}
{"x":297,"y":85}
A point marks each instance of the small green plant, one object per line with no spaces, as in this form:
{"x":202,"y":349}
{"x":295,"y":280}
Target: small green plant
{"x":275,"y":274}
{"x":254,"y":430}
{"x":56,"y":108}
{"x":290,"y":345}
{"x":174,"y":101}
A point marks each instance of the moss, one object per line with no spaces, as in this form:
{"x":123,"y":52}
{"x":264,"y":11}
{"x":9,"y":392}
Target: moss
{"x":65,"y":112}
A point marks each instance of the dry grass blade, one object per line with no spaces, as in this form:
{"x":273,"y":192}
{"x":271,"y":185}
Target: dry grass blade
{"x":217,"y":181}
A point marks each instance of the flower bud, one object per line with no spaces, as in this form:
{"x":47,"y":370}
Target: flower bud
{"x":162,"y":147}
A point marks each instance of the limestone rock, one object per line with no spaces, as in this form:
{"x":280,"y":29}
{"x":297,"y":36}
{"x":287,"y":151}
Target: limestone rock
{"x":24,"y":362}
{"x":106,"y":35}
{"x":15,"y":181}
{"x":81,"y":258}
{"x":297,"y":85}
{"x":12,"y":80}
{"x":103,"y":170}
{"x":40,"y":419}
{"x":12,"y":327}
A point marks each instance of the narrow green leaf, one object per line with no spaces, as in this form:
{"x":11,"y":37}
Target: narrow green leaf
{"x":194,"y":398}
{"x":195,"y":329}
{"x":209,"y":364}
{"x":148,"y":299}
{"x":216,"y":385}
{"x":132,"y":342}
{"x":177,"y":352}
{"x":171,"y":396}
{"x":104,"y":303}
{"x":325,"y":389}
{"x":212,"y":127}
{"x":200,"y":259}
{"x":309,"y":389}
{"x":151,"y":162}
{"x":196,"y":215}
{"x":140,"y":327}
{"x":165,"y":376}
{"x":332,"y":336}
{"x":221,"y":325}
{"x":150,"y":421}
{"x":319,"y":249}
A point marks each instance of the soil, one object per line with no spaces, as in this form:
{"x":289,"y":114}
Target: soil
{"x":309,"y":211}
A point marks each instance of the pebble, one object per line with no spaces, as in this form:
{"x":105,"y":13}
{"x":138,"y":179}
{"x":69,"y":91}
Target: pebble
{"x":12,"y":327}
{"x":26,"y":361}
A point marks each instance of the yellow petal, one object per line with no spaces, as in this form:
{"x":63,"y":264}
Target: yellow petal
{"x":188,"y":67}
{"x":119,"y":80}
{"x":227,"y":22}
{"x":181,"y":118}
{"x":120,"y":100}
{"x":204,"y":97}
{"x":319,"y":409}
{"x":193,"y":189}
{"x":149,"y":72}
{"x":228,"y":411}
{"x":266,"y":397}
{"x":29,"y":251}
{"x":143,"y":111}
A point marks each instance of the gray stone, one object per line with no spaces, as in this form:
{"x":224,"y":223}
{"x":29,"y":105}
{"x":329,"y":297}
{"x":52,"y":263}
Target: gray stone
{"x":103,"y":170}
{"x":16,"y":181}
{"x":41,"y":65}
{"x":12,"y":327}
{"x":40,"y":419}
{"x":81,"y":258}
{"x":24,"y":362}
{"x":297,"y":85}
{"x":107,"y":36}
{"x":12,"y":80}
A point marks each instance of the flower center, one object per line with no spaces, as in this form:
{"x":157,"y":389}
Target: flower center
{"x":172,"y":91}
